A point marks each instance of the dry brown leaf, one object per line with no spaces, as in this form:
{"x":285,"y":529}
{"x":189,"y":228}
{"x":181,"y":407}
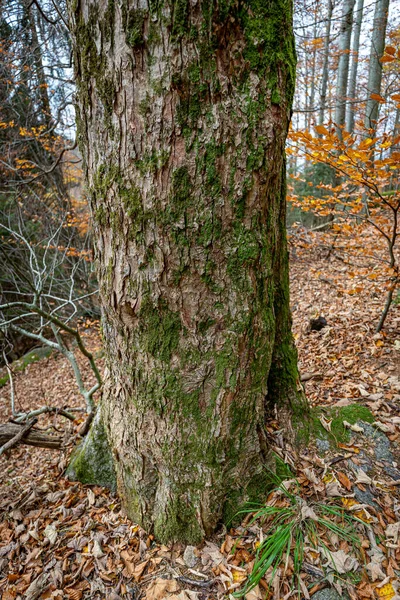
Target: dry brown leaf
{"x":354,"y":427}
{"x":9,"y":595}
{"x":325,"y":423}
{"x":185,"y":595}
{"x":73,"y":593}
{"x":374,"y":567}
{"x":139,"y":570}
{"x":340,"y":561}
{"x":333,"y":490}
{"x":344,"y":480}
{"x":362,"y":477}
{"x":159,"y":588}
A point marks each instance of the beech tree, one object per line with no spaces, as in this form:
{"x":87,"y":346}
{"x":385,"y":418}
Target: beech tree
{"x":183,"y":110}
{"x":355,"y":47}
{"x":375,"y":65}
{"x":343,"y":67}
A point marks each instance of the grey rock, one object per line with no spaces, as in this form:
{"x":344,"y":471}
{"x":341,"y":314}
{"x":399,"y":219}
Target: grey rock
{"x":365,"y":497}
{"x":382,"y":444}
{"x":330,"y":594}
{"x":323,"y":445}
{"x":189,"y":557}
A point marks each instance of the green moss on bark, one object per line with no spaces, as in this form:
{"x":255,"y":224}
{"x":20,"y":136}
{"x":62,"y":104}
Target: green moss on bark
{"x":160,"y":329}
{"x":92,"y":462}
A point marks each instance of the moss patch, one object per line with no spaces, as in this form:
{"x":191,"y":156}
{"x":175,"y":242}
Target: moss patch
{"x":29,"y":358}
{"x":354,"y":413}
{"x":92,"y":462}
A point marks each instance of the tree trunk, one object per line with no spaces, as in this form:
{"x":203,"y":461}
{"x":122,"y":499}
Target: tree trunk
{"x":343,"y":68}
{"x":39,"y":68}
{"x":325,"y":68}
{"x":183,"y":110}
{"x":314,"y":64}
{"x":351,"y":107}
{"x":375,"y":65}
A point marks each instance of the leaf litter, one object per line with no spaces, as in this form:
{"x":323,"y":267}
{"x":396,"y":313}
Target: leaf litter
{"x":63,"y":540}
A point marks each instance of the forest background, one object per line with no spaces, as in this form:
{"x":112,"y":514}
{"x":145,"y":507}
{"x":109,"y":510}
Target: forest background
{"x":343,"y":162}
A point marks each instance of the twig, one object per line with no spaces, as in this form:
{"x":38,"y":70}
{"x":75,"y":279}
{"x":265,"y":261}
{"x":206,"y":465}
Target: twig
{"x":11,"y":380}
{"x":195,"y":583}
{"x":86,"y":425}
{"x":45,"y":409}
{"x":14,"y":440}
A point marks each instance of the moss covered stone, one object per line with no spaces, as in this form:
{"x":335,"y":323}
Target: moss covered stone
{"x":339,"y":433}
{"x":92,"y":462}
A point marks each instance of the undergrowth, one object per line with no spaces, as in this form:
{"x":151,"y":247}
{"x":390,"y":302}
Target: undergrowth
{"x":290,"y":524}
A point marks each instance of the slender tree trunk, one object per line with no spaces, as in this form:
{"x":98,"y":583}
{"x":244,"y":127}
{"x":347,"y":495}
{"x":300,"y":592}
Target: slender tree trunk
{"x":351,"y":107}
{"x":39,"y":68}
{"x":307,"y":114}
{"x":313,"y":66}
{"x":343,"y":68}
{"x":183,"y":110}
{"x":325,"y":68}
{"x":375,"y":65}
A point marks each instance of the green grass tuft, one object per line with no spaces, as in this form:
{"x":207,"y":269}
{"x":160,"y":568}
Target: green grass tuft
{"x":289,"y":523}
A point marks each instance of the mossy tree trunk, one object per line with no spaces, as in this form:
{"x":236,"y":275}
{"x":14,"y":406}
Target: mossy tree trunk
{"x":183,"y":110}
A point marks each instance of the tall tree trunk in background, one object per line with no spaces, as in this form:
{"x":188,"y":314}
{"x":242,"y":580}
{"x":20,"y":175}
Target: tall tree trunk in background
{"x":396,"y":132}
{"x":183,"y":110}
{"x":325,"y":68}
{"x":343,"y":68}
{"x":307,"y":114}
{"x":313,"y":64}
{"x":39,"y":68}
{"x":375,"y":65}
{"x":355,"y":46}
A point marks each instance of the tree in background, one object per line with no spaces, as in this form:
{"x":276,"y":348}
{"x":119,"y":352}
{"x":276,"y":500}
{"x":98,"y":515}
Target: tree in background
{"x":375,"y":65}
{"x":343,"y":67}
{"x":38,"y":167}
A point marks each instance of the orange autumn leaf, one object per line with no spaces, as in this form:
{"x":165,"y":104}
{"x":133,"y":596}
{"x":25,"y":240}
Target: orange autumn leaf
{"x":344,"y":480}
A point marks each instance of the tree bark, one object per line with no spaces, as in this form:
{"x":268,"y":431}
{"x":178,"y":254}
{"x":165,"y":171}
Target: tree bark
{"x":355,"y":46}
{"x":325,"y":68}
{"x":183,"y":110}
{"x":375,"y":65}
{"x":343,"y":68}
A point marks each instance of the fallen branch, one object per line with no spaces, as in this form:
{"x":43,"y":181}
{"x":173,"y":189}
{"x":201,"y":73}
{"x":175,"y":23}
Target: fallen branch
{"x":28,"y":436}
{"x":83,"y":430}
{"x":196,"y":582}
{"x":308,"y":376}
{"x":18,"y":436}
{"x":45,"y":409}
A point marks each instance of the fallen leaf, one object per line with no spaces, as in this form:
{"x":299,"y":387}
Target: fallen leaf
{"x":97,"y":550}
{"x":374,"y":567}
{"x":51,"y":533}
{"x":340,"y":561}
{"x":158,"y":588}
{"x":325,"y":423}
{"x":344,"y":480}
{"x":362,"y":477}
{"x":354,"y":427}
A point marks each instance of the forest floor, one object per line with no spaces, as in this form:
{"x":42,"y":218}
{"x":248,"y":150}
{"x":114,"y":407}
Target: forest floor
{"x":60,"y":539}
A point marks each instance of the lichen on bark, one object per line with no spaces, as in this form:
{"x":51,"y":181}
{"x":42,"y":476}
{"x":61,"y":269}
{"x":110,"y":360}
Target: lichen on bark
{"x":184,"y":158}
